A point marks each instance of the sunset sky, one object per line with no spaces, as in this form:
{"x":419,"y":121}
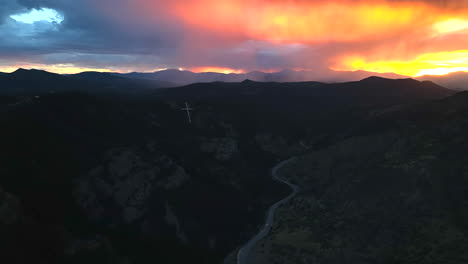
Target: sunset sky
{"x":408,"y":37}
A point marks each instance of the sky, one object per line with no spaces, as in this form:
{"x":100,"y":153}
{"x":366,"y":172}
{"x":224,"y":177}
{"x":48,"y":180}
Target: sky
{"x":408,"y":37}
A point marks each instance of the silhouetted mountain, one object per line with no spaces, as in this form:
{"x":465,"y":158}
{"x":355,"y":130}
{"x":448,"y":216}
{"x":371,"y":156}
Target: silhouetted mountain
{"x":34,"y":75}
{"x":455,"y":81}
{"x":97,"y":76}
{"x":35,"y":82}
{"x":367,"y":92}
{"x":187,"y":77}
{"x":113,"y":80}
{"x":287,"y":106}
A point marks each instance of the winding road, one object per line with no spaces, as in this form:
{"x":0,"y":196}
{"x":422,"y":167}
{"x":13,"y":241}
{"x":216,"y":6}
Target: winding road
{"x":243,"y":254}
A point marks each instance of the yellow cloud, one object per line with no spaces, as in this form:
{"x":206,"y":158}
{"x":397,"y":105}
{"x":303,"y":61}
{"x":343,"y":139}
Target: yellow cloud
{"x":428,"y":64}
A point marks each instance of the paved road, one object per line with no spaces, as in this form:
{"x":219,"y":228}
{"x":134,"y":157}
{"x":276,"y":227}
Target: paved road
{"x":243,"y":254}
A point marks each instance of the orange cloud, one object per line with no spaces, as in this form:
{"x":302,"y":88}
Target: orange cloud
{"x":399,"y":27}
{"x":309,"y":21}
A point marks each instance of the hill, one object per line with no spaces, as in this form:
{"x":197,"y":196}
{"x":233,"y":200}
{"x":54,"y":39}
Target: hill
{"x":36,"y":82}
{"x":369,"y":92}
{"x":111,"y":79}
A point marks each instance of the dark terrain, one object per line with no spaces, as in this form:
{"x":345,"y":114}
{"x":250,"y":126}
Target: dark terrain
{"x":34,"y":82}
{"x":102,"y":169}
{"x":393,"y":191}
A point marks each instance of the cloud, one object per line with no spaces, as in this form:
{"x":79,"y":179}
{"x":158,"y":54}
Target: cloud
{"x":240,"y":34}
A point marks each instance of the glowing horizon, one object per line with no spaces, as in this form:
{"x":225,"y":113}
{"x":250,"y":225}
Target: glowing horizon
{"x":441,"y":63}
{"x":69,"y":69}
{"x":216,"y":69}
{"x":371,"y":68}
{"x":65,"y":69}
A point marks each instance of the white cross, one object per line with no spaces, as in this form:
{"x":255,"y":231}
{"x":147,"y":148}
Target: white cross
{"x":189,"y":114}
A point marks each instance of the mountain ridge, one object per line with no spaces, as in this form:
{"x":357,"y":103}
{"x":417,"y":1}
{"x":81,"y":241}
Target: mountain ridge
{"x":35,"y":82}
{"x":368,"y":87}
{"x":39,"y":81}
{"x":185,"y":77}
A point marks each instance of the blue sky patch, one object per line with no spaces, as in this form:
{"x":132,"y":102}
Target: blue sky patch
{"x":36,"y":15}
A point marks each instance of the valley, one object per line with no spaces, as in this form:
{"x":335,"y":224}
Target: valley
{"x":243,"y":255}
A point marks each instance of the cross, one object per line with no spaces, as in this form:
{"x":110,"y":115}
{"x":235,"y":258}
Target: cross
{"x":189,"y":114}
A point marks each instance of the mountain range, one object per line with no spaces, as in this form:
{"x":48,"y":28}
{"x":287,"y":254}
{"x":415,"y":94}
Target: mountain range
{"x":187,"y":77}
{"x":33,"y":81}
{"x":172,"y":78}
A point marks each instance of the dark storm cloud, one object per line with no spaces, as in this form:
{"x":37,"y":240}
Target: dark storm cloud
{"x":110,"y":33}
{"x":87,"y":32}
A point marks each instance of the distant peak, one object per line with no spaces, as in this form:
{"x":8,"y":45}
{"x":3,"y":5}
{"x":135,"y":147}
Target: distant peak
{"x":22,"y":70}
{"x":32,"y":74}
{"x":170,"y":70}
{"x":374,"y":79}
{"x":94,"y":73}
{"x":19,"y":70}
{"x":247,"y":81}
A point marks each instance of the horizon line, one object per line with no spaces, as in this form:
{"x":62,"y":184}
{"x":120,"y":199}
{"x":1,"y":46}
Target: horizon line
{"x":223,"y":73}
{"x":188,"y":70}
